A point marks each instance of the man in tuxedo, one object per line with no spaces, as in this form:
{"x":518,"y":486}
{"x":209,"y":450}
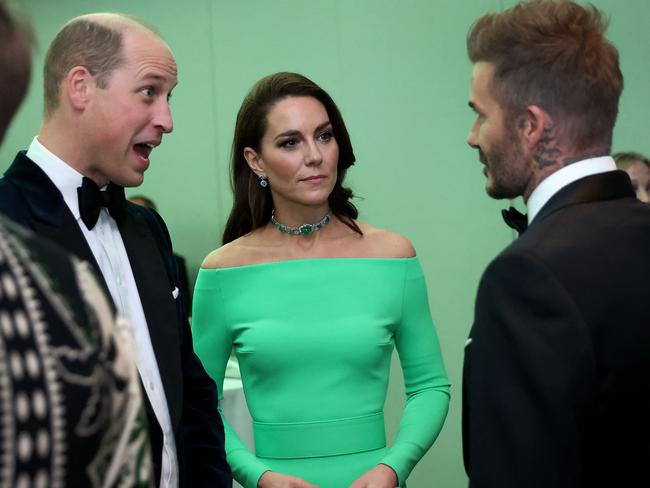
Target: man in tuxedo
{"x":557,"y":364}
{"x":108,"y":79}
{"x":75,"y":414}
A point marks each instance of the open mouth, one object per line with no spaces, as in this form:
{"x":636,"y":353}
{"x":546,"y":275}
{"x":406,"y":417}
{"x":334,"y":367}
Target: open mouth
{"x":143,"y":150}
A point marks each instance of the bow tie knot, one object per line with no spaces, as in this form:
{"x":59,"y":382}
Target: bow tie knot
{"x":92,"y":199}
{"x":515,"y":219}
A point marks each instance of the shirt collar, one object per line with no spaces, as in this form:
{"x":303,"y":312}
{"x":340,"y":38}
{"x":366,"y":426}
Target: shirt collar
{"x":65,"y":177}
{"x":561,"y":178}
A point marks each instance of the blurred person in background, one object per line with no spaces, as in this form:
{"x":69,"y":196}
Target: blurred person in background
{"x":637,"y":166}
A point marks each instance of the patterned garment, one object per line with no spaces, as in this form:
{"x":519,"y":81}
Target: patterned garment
{"x":71,"y":411}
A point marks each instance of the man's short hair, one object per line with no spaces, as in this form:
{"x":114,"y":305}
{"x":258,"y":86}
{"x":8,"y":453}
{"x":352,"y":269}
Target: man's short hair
{"x":553,"y":55}
{"x":86,"y":41}
{"x":16,"y":40}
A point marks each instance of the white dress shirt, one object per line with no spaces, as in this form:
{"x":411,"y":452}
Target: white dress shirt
{"x":105,"y":242}
{"x":563,"y":177}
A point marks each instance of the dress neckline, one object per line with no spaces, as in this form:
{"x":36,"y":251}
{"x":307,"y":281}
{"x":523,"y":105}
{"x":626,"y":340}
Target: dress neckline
{"x":311,"y":260}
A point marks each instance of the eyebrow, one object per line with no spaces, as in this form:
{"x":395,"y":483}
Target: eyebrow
{"x":154,"y":76}
{"x":297,"y":132}
{"x":158,"y":79}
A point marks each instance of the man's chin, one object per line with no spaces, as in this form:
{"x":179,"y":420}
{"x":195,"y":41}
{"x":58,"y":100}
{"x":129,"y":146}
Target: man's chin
{"x":129,"y":181}
{"x":499,"y":192}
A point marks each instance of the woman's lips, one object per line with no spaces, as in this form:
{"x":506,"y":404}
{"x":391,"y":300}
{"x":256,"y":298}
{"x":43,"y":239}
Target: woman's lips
{"x":313,"y":179}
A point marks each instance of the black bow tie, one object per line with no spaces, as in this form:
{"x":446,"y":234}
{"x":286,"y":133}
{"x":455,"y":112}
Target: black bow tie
{"x":92,"y":199}
{"x":515,"y":219}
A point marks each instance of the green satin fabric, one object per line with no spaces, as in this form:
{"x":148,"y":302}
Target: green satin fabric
{"x":314,"y":340}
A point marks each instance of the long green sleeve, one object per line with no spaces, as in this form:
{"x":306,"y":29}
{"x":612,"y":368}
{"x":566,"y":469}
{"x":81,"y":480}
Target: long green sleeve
{"x":213,"y":344}
{"x":427,"y":387}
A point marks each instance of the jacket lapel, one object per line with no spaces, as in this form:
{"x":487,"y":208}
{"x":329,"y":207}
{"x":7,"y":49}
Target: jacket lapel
{"x":155,"y":292}
{"x":50,"y":217}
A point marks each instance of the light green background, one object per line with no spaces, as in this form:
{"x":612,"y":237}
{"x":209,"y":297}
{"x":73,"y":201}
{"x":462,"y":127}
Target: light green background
{"x":399,"y":72}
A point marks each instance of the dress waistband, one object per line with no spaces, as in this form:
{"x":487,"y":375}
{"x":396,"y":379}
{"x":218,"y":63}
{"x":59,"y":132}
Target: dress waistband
{"x":322,"y":438}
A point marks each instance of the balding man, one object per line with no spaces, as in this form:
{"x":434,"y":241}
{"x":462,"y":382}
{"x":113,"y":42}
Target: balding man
{"x":108,"y":79}
{"x":72,"y":413}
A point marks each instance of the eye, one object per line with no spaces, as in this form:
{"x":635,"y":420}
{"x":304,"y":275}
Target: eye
{"x":288,"y":143}
{"x":326,"y":136}
{"x":148,"y":91}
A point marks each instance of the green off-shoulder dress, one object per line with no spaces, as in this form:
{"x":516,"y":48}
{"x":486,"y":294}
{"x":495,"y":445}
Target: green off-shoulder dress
{"x":314,"y":339}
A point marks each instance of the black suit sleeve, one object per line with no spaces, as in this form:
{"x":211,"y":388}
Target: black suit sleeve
{"x":203,"y":455}
{"x":527,"y":377}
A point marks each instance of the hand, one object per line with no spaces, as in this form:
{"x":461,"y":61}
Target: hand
{"x":269,"y":479}
{"x":381,"y":476}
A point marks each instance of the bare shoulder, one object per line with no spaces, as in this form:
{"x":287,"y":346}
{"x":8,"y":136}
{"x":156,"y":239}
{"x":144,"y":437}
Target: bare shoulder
{"x":384,"y":243}
{"x":233,"y":254}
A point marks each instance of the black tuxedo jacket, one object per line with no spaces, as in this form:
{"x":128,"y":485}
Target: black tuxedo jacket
{"x":29,"y":197}
{"x":557,"y":367}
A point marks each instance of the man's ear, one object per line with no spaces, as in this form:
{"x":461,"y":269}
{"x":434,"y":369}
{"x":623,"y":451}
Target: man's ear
{"x":534,"y":125}
{"x":254,"y":161}
{"x":78,"y":87}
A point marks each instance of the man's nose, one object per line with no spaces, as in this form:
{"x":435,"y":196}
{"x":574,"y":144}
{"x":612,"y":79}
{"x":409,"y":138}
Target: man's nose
{"x":163,"y":118}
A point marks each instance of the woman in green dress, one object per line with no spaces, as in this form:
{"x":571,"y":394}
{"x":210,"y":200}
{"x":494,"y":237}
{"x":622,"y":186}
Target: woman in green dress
{"x":313,"y":301}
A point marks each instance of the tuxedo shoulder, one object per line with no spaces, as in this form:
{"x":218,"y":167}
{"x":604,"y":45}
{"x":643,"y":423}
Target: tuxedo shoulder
{"x":383,"y":243}
{"x":10,"y":196}
{"x":516,"y":264}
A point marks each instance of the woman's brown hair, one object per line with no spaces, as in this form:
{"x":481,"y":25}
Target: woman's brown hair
{"x":252,"y":203}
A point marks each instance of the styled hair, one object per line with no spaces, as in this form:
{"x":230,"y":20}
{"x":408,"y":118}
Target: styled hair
{"x":93,"y":41}
{"x":144,"y":201}
{"x":16,"y":41}
{"x":625,"y":159}
{"x":253,"y":204}
{"x":553,"y":54}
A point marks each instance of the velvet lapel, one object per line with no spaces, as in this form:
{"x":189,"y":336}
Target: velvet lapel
{"x":155,"y":292}
{"x":598,"y":187}
{"x":50,"y":216}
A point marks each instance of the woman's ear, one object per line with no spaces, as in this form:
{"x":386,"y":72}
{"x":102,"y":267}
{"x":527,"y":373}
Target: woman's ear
{"x":254,"y":161}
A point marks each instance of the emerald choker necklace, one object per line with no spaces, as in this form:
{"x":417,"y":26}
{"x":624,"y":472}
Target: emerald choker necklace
{"x":302,"y":230}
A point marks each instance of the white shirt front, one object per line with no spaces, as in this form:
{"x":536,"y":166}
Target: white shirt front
{"x":563,"y":177}
{"x":105,"y":242}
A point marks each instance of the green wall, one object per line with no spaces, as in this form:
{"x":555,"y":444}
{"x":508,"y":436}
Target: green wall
{"x":399,"y":73}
